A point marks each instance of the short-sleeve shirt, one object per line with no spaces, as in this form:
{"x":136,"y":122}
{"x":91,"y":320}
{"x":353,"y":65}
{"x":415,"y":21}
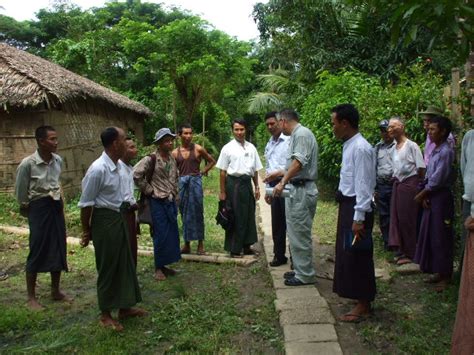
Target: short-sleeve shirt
{"x":384,"y":162}
{"x":127,"y":176}
{"x":407,"y":160}
{"x":36,"y":178}
{"x":276,"y":153}
{"x":103,"y":185}
{"x":304,"y":148}
{"x":238,"y":160}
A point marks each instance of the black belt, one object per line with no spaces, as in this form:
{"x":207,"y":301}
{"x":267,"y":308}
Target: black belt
{"x":300,"y":182}
{"x":384,"y":181}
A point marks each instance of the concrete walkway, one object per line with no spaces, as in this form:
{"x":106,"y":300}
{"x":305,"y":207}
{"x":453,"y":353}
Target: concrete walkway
{"x":307,"y":321}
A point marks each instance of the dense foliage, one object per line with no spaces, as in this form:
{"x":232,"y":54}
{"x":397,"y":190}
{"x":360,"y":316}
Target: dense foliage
{"x":415,"y":90}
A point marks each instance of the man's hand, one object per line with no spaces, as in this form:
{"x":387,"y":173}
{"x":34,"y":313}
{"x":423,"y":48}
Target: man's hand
{"x":85,"y":239}
{"x":268,"y":199}
{"x":358,"y":229}
{"x":469,"y":224}
{"x":278,"y":189}
{"x":272,"y":176}
{"x":257,"y":194}
{"x":222,"y":196}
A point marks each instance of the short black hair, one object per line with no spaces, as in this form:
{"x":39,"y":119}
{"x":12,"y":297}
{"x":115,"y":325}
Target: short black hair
{"x":240,"y":121}
{"x":347,"y":112}
{"x":108,"y":136}
{"x":443,"y":123}
{"x":42,"y":132}
{"x":183,"y":126}
{"x":289,"y":114}
{"x":271,"y":114}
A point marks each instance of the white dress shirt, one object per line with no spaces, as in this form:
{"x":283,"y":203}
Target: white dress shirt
{"x":357,"y":176}
{"x":276,"y":153}
{"x":102,"y":186}
{"x":237,"y":159}
{"x":127,"y":177}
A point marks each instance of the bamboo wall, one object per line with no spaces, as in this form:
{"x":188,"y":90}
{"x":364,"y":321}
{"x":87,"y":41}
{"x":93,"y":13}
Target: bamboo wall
{"x":78,"y":135}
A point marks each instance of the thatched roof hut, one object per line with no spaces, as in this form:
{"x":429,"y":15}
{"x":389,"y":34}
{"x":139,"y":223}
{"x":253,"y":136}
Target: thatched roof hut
{"x":34,"y":91}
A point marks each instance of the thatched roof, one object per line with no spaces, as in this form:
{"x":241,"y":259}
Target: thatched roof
{"x":27,"y":80}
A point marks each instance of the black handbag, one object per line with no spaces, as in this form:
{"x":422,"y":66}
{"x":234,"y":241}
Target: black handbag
{"x":225,"y":216}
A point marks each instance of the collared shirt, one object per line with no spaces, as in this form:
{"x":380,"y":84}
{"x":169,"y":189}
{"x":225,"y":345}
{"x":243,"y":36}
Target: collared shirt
{"x":439,"y":172}
{"x":304,"y":148}
{"x":384,"y":162}
{"x":36,"y":179}
{"x":467,"y":168}
{"x":430,"y":146}
{"x":103,"y":186}
{"x":164,"y":181}
{"x":357,"y":176}
{"x":407,"y":160}
{"x":127,"y":177}
{"x":276,"y":153}
{"x":238,"y":160}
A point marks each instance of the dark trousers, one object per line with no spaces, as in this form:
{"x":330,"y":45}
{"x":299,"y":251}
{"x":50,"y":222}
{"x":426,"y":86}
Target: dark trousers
{"x":383,"y":208}
{"x":279,"y":228}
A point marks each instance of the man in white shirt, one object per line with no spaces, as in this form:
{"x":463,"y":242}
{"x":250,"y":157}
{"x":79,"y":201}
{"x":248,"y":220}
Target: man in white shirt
{"x":103,"y":207}
{"x":354,"y":275}
{"x":129,"y":197}
{"x":276,"y":153}
{"x":239,"y":164}
{"x":408,"y":172}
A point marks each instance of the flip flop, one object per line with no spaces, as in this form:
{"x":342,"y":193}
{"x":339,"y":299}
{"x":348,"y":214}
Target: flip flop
{"x":201,"y":252}
{"x":356,"y":318}
{"x":404,"y":261}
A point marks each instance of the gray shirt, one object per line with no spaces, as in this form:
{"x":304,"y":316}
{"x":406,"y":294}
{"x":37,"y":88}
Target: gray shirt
{"x":36,"y":178}
{"x":304,"y":148}
{"x":467,"y":168}
{"x":384,"y":162}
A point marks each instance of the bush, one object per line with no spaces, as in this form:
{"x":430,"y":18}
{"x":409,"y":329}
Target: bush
{"x":415,"y":90}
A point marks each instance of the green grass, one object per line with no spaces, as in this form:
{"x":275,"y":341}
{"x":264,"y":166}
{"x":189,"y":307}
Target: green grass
{"x":205,"y":309}
{"x":409,"y":317}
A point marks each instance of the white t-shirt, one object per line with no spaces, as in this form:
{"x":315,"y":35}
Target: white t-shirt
{"x":237,"y":159}
{"x":407,"y":160}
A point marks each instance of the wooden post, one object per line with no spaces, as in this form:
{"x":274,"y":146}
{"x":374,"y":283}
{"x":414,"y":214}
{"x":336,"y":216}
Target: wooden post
{"x":455,"y":89}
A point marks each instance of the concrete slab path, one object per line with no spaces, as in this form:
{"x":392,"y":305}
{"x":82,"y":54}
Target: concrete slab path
{"x":305,"y":316}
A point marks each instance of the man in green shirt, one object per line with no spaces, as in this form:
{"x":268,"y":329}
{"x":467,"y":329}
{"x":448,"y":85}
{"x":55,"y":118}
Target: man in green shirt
{"x":38,"y":192}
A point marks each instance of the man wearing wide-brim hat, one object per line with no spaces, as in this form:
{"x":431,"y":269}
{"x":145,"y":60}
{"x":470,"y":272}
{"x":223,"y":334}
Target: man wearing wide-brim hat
{"x":162,"y":191}
{"x":430,"y":112}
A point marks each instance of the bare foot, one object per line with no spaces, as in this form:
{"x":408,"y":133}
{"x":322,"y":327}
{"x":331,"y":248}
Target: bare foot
{"x":59,"y":296}
{"x":159,"y":275}
{"x":131,"y":312}
{"x":109,"y":322}
{"x":34,"y":305}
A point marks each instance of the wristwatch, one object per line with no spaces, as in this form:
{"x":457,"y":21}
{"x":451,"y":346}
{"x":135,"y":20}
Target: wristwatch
{"x":359,"y":222}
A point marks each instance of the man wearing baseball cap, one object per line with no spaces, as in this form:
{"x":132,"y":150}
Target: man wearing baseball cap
{"x":162,"y":191}
{"x":384,"y":179}
{"x":428,"y":114}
